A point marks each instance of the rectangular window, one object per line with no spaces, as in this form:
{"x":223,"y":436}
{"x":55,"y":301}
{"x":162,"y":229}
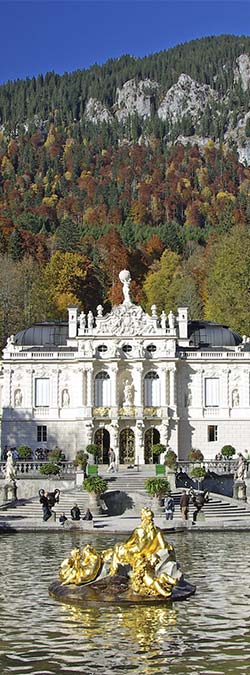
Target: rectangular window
{"x":42,"y":391}
{"x":211,"y":391}
{"x":212,"y":433}
{"x":41,"y":434}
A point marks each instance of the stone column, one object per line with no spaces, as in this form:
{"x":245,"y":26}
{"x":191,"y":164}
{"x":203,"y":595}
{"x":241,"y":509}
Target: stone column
{"x":172,"y":388}
{"x":139,"y":442}
{"x":90,"y":387}
{"x":163,"y":387}
{"x":113,"y":385}
{"x":138,"y":385}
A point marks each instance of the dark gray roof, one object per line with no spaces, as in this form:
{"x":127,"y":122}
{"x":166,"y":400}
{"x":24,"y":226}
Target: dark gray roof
{"x":47,"y":334}
{"x":207,"y":334}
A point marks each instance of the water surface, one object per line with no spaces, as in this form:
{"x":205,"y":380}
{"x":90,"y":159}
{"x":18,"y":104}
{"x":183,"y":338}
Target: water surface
{"x":207,"y":634}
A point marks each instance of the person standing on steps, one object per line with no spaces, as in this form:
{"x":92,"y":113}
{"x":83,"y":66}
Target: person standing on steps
{"x":112,"y":465}
{"x":198,"y":501}
{"x":184,"y":504}
{"x":169,"y":507}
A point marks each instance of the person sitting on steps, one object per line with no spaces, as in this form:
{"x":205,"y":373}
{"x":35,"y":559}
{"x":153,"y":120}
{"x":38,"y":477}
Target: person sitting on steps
{"x":75,"y":512}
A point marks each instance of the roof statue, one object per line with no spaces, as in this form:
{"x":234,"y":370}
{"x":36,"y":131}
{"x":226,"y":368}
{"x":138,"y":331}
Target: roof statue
{"x":125,"y":278}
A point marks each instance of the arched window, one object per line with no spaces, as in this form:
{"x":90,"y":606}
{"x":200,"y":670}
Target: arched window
{"x":152,"y":390}
{"x":102,"y":390}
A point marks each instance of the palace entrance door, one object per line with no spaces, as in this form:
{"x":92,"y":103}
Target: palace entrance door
{"x":102,"y":438}
{"x":127,"y":447}
{"x":152,"y":436}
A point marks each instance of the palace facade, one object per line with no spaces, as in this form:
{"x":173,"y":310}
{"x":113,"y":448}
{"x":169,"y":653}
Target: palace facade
{"x":128,"y":380}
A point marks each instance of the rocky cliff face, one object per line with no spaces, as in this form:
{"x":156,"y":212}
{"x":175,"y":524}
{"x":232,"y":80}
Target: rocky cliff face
{"x":96,"y":112}
{"x":242,"y":71}
{"x":135,"y":97}
{"x":185,"y":97}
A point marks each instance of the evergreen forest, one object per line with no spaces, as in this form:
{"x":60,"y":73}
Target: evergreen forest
{"x":81,"y":200}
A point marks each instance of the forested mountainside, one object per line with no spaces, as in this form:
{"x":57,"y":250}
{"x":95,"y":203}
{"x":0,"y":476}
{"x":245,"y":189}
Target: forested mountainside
{"x":140,"y":163}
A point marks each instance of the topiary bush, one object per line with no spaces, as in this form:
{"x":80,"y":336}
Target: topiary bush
{"x":157,"y":449}
{"x":95,"y":484}
{"x":198,"y":472}
{"x":157,"y":487}
{"x":24,"y":452}
{"x":170,"y":459}
{"x":81,"y":459}
{"x":50,"y":469}
{"x":95,"y":450}
{"x":195,"y":455}
{"x":228,"y":451}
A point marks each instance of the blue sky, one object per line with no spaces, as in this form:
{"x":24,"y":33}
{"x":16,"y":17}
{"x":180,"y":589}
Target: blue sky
{"x":64,"y":35}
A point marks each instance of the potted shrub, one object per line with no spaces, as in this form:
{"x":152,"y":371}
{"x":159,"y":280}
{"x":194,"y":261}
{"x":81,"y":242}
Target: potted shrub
{"x":95,"y":450}
{"x":81,"y":461}
{"x":157,"y":488}
{"x":195,"y":455}
{"x":198,"y":472}
{"x":56,"y":456}
{"x":157,"y":450}
{"x":95,"y":486}
{"x":170,"y":459}
{"x":228,"y":451}
{"x":24,"y":452}
{"x":49,"y":469}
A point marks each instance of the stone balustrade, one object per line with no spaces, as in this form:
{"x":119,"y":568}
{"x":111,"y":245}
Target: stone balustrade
{"x":32,"y":468}
{"x":218,"y":467}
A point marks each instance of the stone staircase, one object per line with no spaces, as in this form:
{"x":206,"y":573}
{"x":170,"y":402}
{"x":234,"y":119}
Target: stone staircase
{"x":130,"y":482}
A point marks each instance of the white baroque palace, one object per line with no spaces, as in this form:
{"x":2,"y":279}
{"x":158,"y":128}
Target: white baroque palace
{"x":127,"y":380}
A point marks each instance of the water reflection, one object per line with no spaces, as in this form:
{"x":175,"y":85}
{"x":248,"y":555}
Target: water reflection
{"x":206,"y":635}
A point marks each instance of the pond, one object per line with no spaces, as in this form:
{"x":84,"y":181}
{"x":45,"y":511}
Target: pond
{"x":207,"y":634}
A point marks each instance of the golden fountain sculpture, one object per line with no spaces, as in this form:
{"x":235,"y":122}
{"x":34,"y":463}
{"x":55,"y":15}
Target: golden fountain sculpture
{"x":144,"y":567}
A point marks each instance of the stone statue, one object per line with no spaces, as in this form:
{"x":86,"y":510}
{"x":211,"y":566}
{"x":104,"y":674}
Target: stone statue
{"x":235,"y":398}
{"x":99,"y":310}
{"x":65,"y":398}
{"x":154,"y":311}
{"x":171,"y":320}
{"x":127,"y":394}
{"x":82,"y":320}
{"x":125,"y":278}
{"x":90,"y":320}
{"x":9,"y":471}
{"x":163,"y":320}
{"x":18,"y":398}
{"x":240,"y":473}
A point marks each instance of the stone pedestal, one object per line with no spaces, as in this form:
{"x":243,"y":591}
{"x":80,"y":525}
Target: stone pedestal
{"x":240,"y":490}
{"x":8,"y":492}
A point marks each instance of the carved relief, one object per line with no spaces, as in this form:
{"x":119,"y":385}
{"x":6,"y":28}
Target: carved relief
{"x":127,"y":319}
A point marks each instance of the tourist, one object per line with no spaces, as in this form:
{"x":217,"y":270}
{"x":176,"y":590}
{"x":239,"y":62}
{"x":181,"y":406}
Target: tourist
{"x":47,"y":513}
{"x":184,"y":504}
{"x":75,"y":512}
{"x":14,"y":453}
{"x":169,"y":507}
{"x":88,"y":515}
{"x":198,"y":501}
{"x":53,"y":498}
{"x":111,"y":454}
{"x":4,"y":453}
{"x":62,"y":518}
